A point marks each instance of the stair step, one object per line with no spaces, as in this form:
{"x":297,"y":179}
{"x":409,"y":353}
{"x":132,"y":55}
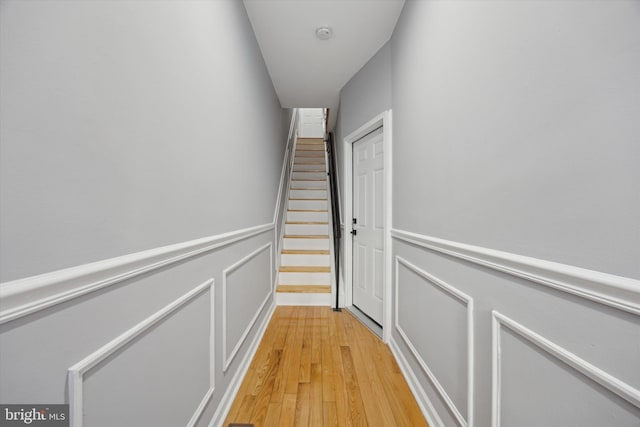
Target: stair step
{"x":316,"y":289}
{"x":308,"y":222}
{"x":306,"y":204}
{"x":308,"y":241}
{"x":311,"y":176}
{"x":309,"y":277}
{"x":307,"y":236}
{"x":310,"y":155}
{"x":305,"y":252}
{"x":306,"y":259}
{"x":310,"y":147}
{"x":299,"y":215}
{"x":305,"y":269}
{"x":305,"y":229}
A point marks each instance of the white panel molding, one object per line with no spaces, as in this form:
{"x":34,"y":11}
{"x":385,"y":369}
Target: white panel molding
{"x":25,"y":296}
{"x":597,"y":375}
{"x":228,"y":358}
{"x":234,"y":385}
{"x":423,"y":400}
{"x":468,"y":302}
{"x":212,"y":364}
{"x":77,"y":371}
{"x":615,"y":291}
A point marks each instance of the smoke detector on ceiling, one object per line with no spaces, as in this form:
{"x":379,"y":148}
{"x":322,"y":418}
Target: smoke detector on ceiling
{"x":324,"y":33}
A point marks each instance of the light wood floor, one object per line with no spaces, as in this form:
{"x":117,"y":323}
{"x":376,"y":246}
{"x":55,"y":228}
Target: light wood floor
{"x":317,"y":367}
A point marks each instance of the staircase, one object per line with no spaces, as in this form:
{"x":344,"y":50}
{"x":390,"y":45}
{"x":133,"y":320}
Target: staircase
{"x":304,"y":277}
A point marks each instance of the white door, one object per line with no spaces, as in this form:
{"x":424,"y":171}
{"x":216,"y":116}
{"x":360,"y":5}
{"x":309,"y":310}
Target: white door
{"x":311,"y":123}
{"x":368,"y":217}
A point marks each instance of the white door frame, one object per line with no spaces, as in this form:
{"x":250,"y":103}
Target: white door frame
{"x":383,"y":120}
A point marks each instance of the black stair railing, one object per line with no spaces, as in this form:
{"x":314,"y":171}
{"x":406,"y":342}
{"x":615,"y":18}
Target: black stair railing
{"x":335,"y":209}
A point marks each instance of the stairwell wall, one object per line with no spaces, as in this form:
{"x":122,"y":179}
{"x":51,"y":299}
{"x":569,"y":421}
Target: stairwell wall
{"x":516,"y":205}
{"x":141,"y":149}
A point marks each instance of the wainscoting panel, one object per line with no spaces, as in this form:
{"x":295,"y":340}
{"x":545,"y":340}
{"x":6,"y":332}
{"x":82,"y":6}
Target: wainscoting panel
{"x":544,"y":343}
{"x":533,"y":377}
{"x":436,"y":323}
{"x":111,"y":385}
{"x":247,"y":286}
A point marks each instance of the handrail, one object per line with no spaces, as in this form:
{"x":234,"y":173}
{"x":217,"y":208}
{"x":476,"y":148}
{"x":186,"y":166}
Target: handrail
{"x":335,"y":208}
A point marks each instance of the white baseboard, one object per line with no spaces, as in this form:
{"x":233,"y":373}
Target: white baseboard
{"x":420,"y":395}
{"x":234,"y":385}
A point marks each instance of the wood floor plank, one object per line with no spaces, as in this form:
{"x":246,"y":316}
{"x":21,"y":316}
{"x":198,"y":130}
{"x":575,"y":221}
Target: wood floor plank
{"x":329,"y":414}
{"x":356,"y":410}
{"x":280,"y":383}
{"x":315,"y":398}
{"x":273,"y":415}
{"x":288,"y":412}
{"x":291,"y":373}
{"x":303,"y":405}
{"x":304,"y":375}
{"x":316,"y":367}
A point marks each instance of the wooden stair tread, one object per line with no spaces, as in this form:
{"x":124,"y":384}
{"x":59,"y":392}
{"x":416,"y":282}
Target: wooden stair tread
{"x":307,"y":210}
{"x":308,"y":222}
{"x":296,"y":179}
{"x":306,"y":236}
{"x":314,"y":200}
{"x":306,"y":188}
{"x":305,"y":252}
{"x":310,"y":289}
{"x":304,"y":269}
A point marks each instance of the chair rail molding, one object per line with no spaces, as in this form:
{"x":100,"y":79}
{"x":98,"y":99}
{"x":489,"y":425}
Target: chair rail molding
{"x":597,"y":375}
{"x":468,"y":301}
{"x":77,"y":371}
{"x":26,"y":296}
{"x":615,"y":291}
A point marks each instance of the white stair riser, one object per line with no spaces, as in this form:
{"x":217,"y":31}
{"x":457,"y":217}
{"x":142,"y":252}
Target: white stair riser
{"x":298,"y":229}
{"x":305,"y":259}
{"x":315,"y":167}
{"x":284,"y":298}
{"x":310,"y":175}
{"x":309,"y":184}
{"x":307,"y":216}
{"x":308,"y":204}
{"x":306,"y":244}
{"x":304,"y":278}
{"x":308,"y":194}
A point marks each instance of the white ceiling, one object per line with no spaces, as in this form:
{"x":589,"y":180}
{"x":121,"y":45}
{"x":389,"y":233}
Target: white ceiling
{"x":307,"y":71}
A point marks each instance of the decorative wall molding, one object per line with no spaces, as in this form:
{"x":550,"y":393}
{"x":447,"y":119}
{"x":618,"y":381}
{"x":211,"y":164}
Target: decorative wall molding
{"x":423,"y":400}
{"x":77,"y":371}
{"x":468,"y":301}
{"x":234,"y":385}
{"x":25,"y":296}
{"x":228,"y":358}
{"x":597,"y":375}
{"x":615,"y":291}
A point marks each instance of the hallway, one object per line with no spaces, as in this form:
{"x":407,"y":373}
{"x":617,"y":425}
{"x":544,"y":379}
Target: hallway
{"x":318,"y":367}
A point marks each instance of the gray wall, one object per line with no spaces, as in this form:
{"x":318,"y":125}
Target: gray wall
{"x":366,"y":95}
{"x":127,"y":126}
{"x":514,"y":129}
{"x":517,"y":124}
